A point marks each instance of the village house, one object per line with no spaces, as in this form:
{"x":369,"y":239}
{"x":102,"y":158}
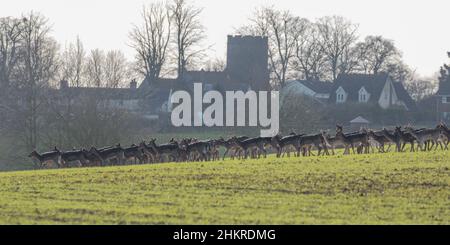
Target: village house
{"x":354,"y":88}
{"x":371,"y":89}
{"x":118,"y":98}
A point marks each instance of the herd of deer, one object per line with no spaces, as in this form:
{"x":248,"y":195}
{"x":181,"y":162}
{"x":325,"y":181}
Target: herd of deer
{"x":362,"y":142}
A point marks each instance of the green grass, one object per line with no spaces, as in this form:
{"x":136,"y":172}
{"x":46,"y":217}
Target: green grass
{"x":393,"y":188}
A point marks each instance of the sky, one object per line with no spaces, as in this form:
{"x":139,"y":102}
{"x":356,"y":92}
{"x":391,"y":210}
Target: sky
{"x":417,"y":27}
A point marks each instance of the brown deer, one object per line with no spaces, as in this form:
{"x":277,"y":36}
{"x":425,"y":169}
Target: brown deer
{"x":352,"y":140}
{"x":445,"y":137}
{"x":423,"y":136}
{"x":110,"y":154}
{"x":172,"y":151}
{"x":394,"y":137}
{"x":149,"y":155}
{"x":285,"y":144}
{"x":74,"y":156}
{"x":259,"y":144}
{"x":135,"y":154}
{"x":231,"y":146}
{"x":197,"y":151}
{"x":41,"y":160}
{"x":319,"y":141}
{"x":380,"y":139}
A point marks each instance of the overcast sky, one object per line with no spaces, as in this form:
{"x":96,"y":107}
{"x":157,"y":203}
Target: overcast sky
{"x":418,"y":27}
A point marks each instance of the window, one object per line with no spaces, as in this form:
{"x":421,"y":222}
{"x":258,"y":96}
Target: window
{"x":445,"y":99}
{"x":363,"y":95}
{"x":341,"y":96}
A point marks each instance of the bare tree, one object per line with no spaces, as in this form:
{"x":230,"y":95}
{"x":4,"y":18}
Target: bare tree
{"x":215,"y":65}
{"x":399,"y":71}
{"x":115,"y":69}
{"x":337,"y":36}
{"x":37,"y":67}
{"x":284,"y":31}
{"x":188,"y":32}
{"x":95,"y":72}
{"x":377,"y":52}
{"x":10,"y":43}
{"x":73,"y":63}
{"x":151,"y":40}
{"x":309,"y":58}
{"x":420,"y":89}
{"x":349,"y":60}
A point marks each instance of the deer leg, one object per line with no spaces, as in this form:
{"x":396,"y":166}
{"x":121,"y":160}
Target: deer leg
{"x":283,"y":152}
{"x":224,"y":154}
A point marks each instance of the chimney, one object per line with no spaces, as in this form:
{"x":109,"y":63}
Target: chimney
{"x":133,"y":84}
{"x":63,"y":84}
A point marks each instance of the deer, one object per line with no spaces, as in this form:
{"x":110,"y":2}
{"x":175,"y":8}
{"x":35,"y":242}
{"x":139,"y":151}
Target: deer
{"x":74,"y":156}
{"x":352,"y":140}
{"x":333,"y":143}
{"x":394,"y":137}
{"x":258,"y":143}
{"x":197,"y":151}
{"x":380,"y":140}
{"x":308,"y":141}
{"x":231,"y":145}
{"x":286,"y":143}
{"x":432,"y":135}
{"x":445,"y":134}
{"x":135,"y":154}
{"x":214,"y":150}
{"x":109,"y":154}
{"x":41,"y":160}
{"x":92,"y":156}
{"x":171,"y":150}
{"x":149,"y":154}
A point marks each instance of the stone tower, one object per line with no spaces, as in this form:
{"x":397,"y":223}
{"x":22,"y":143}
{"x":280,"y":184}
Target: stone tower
{"x":247,"y":61}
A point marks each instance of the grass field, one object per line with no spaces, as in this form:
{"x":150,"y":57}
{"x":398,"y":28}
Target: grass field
{"x":393,"y":188}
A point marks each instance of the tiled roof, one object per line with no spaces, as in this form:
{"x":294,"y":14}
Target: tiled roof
{"x":404,"y":96}
{"x":318,"y":86}
{"x":107,"y":93}
{"x":352,"y":83}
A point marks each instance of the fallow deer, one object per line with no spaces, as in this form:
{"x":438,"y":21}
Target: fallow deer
{"x":423,"y":136}
{"x":41,"y":160}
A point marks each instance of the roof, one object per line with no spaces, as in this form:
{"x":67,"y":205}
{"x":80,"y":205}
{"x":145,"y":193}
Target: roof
{"x":444,"y":88}
{"x":106,"y":93}
{"x":156,"y":93}
{"x":352,"y":83}
{"x":320,"y":87}
{"x":404,"y":96}
{"x":206,"y":76}
{"x":359,"y":119}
